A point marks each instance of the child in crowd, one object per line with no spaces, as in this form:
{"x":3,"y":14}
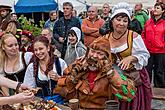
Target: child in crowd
{"x":75,"y":47}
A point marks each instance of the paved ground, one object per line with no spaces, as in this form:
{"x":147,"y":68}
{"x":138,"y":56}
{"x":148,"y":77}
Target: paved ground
{"x":158,"y":105}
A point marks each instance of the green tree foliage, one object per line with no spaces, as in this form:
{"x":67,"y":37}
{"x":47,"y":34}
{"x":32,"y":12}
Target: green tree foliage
{"x":30,"y":25}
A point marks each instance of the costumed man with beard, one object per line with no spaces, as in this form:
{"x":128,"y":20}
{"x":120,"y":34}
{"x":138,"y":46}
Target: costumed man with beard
{"x":26,"y":43}
{"x":94,"y":80}
{"x":6,"y":24}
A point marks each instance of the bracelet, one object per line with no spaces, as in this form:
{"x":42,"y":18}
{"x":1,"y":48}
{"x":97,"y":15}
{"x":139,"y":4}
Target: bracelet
{"x":18,"y":86}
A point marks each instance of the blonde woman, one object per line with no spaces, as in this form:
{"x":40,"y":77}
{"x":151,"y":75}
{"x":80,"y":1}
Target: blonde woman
{"x":13,"y":63}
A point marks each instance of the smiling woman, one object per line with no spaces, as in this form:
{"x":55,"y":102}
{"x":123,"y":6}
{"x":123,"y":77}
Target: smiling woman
{"x":154,"y":38}
{"x":13,"y":63}
{"x":130,"y":54}
{"x":46,"y":69}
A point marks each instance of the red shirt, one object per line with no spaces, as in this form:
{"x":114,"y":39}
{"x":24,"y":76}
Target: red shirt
{"x":91,"y":77}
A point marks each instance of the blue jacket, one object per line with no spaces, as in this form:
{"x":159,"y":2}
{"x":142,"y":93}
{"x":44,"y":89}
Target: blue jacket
{"x":49,"y":24}
{"x":61,"y":29}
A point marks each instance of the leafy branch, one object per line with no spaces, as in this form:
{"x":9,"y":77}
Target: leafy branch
{"x":30,"y":25}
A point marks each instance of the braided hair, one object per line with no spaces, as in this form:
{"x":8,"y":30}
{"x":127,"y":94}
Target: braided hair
{"x":45,"y":41}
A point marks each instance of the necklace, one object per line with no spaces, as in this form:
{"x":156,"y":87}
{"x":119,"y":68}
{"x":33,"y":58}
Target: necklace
{"x":42,"y":65}
{"x":120,"y":36}
{"x":41,"y":68}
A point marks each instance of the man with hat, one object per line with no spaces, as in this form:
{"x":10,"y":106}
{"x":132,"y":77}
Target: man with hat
{"x":26,"y":41}
{"x":6,"y":24}
{"x":93,"y":80}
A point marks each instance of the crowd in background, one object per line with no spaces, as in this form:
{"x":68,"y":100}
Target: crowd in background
{"x":136,"y":39}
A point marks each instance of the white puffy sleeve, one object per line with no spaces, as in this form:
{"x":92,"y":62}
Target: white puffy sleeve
{"x":27,"y":57}
{"x":29,"y":78}
{"x":140,"y":51}
{"x":63,"y":65}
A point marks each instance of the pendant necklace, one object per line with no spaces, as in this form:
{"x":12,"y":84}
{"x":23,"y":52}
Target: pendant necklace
{"x":120,"y":36}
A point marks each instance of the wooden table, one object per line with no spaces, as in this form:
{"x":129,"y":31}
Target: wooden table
{"x":62,"y":107}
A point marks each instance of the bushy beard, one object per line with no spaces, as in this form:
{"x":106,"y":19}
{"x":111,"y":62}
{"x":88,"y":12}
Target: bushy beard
{"x":95,"y":64}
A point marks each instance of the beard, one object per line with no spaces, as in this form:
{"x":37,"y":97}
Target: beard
{"x":4,"y":16}
{"x":24,"y":42}
{"x":92,"y":68}
{"x":95,"y":64}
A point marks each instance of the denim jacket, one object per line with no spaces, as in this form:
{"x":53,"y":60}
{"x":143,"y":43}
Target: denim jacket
{"x":49,"y":24}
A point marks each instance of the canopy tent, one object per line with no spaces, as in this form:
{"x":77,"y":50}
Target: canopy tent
{"x":29,"y":6}
{"x":99,"y":3}
{"x":79,"y":5}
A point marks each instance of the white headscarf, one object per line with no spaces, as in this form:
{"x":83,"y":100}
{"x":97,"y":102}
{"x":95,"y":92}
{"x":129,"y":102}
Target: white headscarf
{"x":78,"y":35}
{"x":122,"y":7}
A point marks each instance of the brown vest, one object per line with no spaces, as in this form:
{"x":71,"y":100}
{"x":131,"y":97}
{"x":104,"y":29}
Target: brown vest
{"x":127,"y":52}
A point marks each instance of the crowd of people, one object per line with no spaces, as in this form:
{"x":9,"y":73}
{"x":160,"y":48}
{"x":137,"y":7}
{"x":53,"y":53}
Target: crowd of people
{"x":112,"y":56}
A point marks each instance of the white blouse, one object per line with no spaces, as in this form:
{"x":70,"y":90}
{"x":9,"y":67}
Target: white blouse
{"x":29,"y":78}
{"x":139,"y":51}
{"x":27,"y":57}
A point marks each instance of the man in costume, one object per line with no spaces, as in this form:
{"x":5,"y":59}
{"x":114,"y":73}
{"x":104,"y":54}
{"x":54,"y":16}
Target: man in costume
{"x":93,"y":80}
{"x":6,"y":24}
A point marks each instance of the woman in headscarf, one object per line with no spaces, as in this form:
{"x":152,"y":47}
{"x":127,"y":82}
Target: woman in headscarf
{"x":130,"y":54}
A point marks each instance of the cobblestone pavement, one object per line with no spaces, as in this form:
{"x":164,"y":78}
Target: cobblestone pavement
{"x":158,"y":105}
